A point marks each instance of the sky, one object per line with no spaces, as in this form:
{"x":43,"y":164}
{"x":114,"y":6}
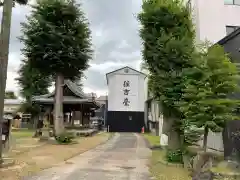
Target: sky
{"x":115,"y":38}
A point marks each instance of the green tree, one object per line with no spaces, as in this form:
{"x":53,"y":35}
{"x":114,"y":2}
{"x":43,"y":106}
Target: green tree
{"x":32,"y":83}
{"x":10,"y":95}
{"x":207,"y":99}
{"x":168,"y":41}
{"x":56,"y":40}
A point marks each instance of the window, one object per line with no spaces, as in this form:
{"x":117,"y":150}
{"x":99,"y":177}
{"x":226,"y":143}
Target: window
{"x":232,"y":2}
{"x":230,"y":29}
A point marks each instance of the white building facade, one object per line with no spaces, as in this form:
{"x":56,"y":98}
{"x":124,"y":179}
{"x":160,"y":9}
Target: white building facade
{"x":214,"y":19}
{"x":126,"y":100}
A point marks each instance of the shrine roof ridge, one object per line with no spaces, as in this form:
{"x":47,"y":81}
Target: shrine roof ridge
{"x":71,"y":85}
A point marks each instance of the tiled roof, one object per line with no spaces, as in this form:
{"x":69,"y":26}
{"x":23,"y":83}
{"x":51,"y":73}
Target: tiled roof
{"x":71,"y":85}
{"x":81,"y":96}
{"x":66,"y":99}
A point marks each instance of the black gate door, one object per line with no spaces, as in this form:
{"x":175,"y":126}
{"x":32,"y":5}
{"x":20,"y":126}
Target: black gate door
{"x":125,"y":121}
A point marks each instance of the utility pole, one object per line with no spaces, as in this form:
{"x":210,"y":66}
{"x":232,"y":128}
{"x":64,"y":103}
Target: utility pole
{"x":4,"y":51}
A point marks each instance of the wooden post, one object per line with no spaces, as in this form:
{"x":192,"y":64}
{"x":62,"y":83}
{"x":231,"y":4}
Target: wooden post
{"x":4,"y":51}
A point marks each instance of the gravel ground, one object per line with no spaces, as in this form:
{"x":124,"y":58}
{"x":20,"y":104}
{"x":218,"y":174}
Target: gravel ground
{"x":124,"y":157}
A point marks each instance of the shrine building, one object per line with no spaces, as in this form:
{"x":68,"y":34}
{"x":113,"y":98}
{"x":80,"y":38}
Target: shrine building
{"x":77,"y":106}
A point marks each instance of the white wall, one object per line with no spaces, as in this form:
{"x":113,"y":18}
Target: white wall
{"x":212,"y":17}
{"x":116,"y":95}
{"x":214,"y":141}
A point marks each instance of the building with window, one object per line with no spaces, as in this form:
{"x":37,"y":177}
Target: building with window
{"x":214,"y":19}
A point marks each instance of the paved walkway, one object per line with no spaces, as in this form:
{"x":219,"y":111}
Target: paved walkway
{"x":124,"y":157}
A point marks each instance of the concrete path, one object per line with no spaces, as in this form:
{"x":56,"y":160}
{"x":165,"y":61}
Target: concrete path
{"x":124,"y":157}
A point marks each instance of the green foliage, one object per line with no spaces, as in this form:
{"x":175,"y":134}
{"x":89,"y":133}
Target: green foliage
{"x":32,"y":82}
{"x":207,"y":91}
{"x":29,"y":108}
{"x":65,"y":138}
{"x":167,"y":35}
{"x":208,"y":98}
{"x":10,"y":95}
{"x":174,"y":156}
{"x":192,"y":134}
{"x":168,"y":45}
{"x":56,"y":38}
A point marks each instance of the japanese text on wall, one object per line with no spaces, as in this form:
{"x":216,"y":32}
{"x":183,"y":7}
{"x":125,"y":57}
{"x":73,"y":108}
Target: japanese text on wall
{"x":126,"y":90}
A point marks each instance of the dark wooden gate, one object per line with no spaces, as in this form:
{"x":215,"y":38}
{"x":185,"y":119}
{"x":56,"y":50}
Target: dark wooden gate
{"x":125,"y":121}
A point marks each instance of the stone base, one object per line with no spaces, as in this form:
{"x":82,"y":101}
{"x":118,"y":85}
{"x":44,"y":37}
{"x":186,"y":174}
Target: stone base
{"x":7,"y":162}
{"x":44,"y":138}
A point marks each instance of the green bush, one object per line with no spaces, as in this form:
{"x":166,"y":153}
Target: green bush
{"x":174,"y":156}
{"x":65,"y":138}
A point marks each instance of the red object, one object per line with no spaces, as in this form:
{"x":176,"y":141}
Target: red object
{"x":142,"y":131}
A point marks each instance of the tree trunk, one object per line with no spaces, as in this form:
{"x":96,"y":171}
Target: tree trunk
{"x":156,"y":116}
{"x":58,"y":106}
{"x":4,"y":51}
{"x":174,"y":140}
{"x":205,"y":139}
{"x":167,"y":125}
{"x":36,"y":119}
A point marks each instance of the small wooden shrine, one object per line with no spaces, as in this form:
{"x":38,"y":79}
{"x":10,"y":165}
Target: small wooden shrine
{"x":77,"y":106}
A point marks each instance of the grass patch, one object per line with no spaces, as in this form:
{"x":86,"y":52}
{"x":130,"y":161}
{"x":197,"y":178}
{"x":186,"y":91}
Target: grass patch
{"x":159,"y":170}
{"x":153,"y":140}
{"x":22,"y":134}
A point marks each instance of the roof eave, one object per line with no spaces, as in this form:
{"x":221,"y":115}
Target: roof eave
{"x":123,"y":68}
{"x":68,"y":83}
{"x":228,"y":37}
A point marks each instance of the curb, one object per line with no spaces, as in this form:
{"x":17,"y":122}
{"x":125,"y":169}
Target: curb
{"x":109,"y":138}
{"x":146,"y":142}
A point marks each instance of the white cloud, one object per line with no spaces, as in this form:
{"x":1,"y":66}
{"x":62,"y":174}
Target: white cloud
{"x":105,"y":66}
{"x":98,"y":92}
